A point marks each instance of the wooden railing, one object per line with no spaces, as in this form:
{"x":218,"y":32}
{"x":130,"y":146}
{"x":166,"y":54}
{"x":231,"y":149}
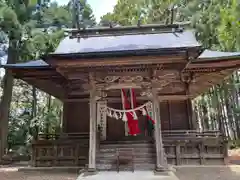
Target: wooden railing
{"x":190,"y":134}
{"x":60,"y":150}
{"x":194,"y":147}
{"x":181,"y":148}
{"x":63,"y":136}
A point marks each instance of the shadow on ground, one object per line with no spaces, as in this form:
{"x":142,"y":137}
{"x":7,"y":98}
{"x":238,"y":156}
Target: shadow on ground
{"x":13,"y":174}
{"x":208,"y":173}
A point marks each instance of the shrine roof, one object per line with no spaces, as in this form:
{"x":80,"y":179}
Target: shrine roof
{"x":206,"y":56}
{"x":209,"y":55}
{"x":99,"y":45}
{"x":126,"y":41}
{"x":35,"y":64}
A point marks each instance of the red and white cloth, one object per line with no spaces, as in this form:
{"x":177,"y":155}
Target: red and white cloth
{"x":129,"y":102}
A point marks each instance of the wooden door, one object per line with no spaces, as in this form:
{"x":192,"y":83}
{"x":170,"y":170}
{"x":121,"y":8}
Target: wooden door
{"x":115,"y":127}
{"x":164,"y":116}
{"x":178,"y":115}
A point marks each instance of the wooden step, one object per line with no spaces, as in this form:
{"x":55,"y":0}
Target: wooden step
{"x":136,"y":161}
{"x":147,"y":157}
{"x":127,"y":142}
{"x":136,"y":150}
{"x":144,"y":155}
{"x":112,"y":146}
{"x":112,"y":167}
{"x":136,"y":154}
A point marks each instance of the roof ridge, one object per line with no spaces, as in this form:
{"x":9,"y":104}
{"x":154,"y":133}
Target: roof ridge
{"x":126,"y":30}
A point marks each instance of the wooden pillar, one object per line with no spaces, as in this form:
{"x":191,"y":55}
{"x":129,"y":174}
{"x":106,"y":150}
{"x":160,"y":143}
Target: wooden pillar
{"x":102,"y":119}
{"x":161,"y":163}
{"x":93,"y":131}
{"x":189,"y":114}
{"x":170,"y":115}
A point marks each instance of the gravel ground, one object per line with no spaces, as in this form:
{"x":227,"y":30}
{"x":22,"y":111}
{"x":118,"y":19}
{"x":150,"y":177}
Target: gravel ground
{"x":183,"y":173}
{"x":209,"y":173}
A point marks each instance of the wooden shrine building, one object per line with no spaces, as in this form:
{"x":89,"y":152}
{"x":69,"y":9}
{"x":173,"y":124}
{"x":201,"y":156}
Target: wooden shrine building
{"x":165,"y":66}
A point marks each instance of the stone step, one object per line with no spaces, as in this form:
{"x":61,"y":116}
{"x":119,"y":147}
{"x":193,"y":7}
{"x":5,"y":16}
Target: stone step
{"x":113,"y":167}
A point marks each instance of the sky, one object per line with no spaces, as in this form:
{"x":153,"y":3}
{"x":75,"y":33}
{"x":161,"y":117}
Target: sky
{"x":100,"y":7}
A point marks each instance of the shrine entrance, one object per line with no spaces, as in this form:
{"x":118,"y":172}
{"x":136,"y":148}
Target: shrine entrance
{"x":116,"y":130}
{"x":123,"y":127}
{"x":129,"y":120}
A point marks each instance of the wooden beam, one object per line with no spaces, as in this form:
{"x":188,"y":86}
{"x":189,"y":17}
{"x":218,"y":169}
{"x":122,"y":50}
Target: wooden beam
{"x":75,"y":72}
{"x":61,"y":71}
{"x":75,"y":89}
{"x":123,"y":86}
{"x":174,"y":87}
{"x":141,"y":98}
{"x":117,"y":61}
{"x":49,"y":87}
{"x":225,"y":64}
{"x":28,"y":72}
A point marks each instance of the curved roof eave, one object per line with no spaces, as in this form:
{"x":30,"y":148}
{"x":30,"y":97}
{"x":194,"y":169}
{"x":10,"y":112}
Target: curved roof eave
{"x":106,"y":54}
{"x":209,"y":55}
{"x":35,"y":64}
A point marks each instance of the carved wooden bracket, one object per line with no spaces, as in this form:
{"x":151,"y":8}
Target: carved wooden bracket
{"x":159,"y":79}
{"x":148,"y":93}
{"x":118,"y":82}
{"x":120,"y":79}
{"x":186,"y":77}
{"x":136,"y":81}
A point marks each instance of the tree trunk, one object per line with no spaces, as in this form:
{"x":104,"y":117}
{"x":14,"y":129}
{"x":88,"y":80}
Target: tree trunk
{"x":47,"y":124}
{"x":235,"y":97}
{"x":200,"y":116}
{"x":213,"y":114}
{"x":34,"y":111}
{"x":224,"y":117}
{"x":217,"y":95}
{"x":7,"y":96}
{"x":194,"y":116}
{"x":229,"y":112}
{"x":205,"y":113}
